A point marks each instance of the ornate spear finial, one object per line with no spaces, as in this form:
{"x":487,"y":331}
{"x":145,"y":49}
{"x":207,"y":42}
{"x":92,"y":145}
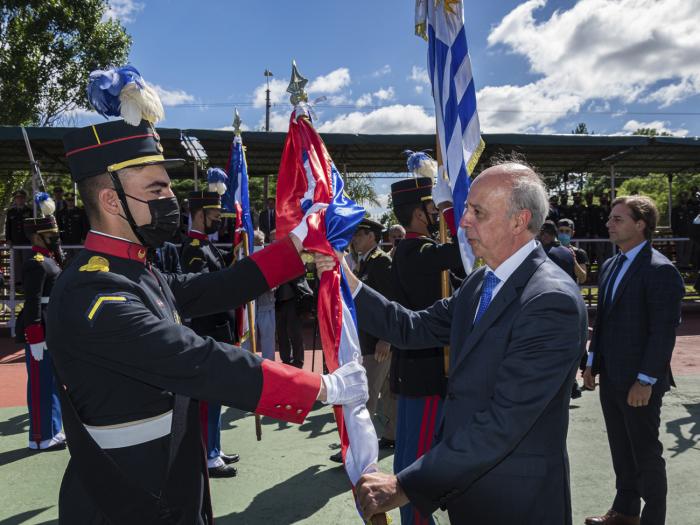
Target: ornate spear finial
{"x":237,"y":122}
{"x":296,"y":86}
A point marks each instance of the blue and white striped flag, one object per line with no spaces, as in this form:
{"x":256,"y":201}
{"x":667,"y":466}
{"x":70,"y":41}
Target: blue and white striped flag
{"x":441,"y":23}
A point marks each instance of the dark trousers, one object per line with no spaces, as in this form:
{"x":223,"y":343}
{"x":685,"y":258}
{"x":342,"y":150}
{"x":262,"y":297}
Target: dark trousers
{"x":289,"y":335}
{"x":640,"y":469}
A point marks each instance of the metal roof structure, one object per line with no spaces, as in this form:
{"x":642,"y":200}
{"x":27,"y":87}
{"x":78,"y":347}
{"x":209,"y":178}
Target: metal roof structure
{"x":552,"y":155}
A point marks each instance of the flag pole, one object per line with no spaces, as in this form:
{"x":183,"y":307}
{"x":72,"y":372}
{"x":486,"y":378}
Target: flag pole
{"x":444,"y":275}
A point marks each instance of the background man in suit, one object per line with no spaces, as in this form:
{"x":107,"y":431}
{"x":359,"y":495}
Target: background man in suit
{"x":633,"y":338}
{"x":266,"y":219}
{"x":516,"y":329}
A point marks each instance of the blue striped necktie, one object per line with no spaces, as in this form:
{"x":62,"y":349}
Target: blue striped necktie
{"x":490,"y":283}
{"x":610,"y":285}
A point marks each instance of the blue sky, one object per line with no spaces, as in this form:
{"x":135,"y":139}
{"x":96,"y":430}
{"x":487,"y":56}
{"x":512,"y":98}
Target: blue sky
{"x":540,"y":66}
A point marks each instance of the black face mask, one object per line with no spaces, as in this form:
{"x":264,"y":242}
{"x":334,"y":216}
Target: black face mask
{"x":213,"y":226}
{"x":433,"y":221}
{"x":165,"y":220}
{"x":53,"y":244}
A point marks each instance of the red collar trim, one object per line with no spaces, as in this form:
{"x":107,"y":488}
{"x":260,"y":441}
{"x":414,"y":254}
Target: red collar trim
{"x":197,"y":235}
{"x":42,"y":251}
{"x":97,"y":242}
{"x":414,"y":235}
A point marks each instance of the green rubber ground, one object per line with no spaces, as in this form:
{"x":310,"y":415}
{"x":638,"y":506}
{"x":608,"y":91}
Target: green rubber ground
{"x":287,"y":477}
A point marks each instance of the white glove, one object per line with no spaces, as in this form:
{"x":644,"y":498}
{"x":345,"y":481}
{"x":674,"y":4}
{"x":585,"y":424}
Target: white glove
{"x":37,"y":350}
{"x":347,"y":385}
{"x":441,"y":190}
{"x":302,"y":229}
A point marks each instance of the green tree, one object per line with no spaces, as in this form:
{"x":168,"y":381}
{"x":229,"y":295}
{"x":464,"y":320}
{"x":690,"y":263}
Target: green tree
{"x":652,"y":132}
{"x":581,"y":129}
{"x":47,"y":50}
{"x":655,"y":186}
{"x":359,"y":188}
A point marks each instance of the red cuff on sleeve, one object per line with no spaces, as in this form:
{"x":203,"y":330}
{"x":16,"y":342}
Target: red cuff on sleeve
{"x":279,"y":262}
{"x":34,"y":333}
{"x":449,"y":215}
{"x":288,"y":393}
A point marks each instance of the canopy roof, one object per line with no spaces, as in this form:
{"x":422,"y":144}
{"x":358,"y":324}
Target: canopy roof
{"x":552,"y":155}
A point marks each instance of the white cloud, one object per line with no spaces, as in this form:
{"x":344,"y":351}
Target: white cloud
{"x":396,"y":118}
{"x":173,"y":97}
{"x":660,"y":126}
{"x":123,"y":10}
{"x":384,"y":70}
{"x":384,"y":95}
{"x":627,"y":50}
{"x":330,"y":83}
{"x":364,"y":100}
{"x":419,"y":75}
{"x":278,"y":92}
{"x":419,"y":89}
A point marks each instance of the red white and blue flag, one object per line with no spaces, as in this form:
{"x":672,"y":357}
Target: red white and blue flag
{"x":307,"y":176}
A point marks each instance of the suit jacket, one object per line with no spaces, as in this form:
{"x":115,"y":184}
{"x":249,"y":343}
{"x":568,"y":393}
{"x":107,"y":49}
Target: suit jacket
{"x":637,"y":331}
{"x":500,"y":456}
{"x":267,"y":223}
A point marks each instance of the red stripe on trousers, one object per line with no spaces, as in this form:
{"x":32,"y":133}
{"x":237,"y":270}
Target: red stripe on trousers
{"x":35,"y":387}
{"x":429,"y":409}
{"x":204,"y":422}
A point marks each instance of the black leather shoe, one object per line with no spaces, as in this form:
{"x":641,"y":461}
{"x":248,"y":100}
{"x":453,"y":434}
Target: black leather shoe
{"x":58,"y":446}
{"x":385,"y":443}
{"x":223,"y":471}
{"x":230,"y":458}
{"x":337,"y":457}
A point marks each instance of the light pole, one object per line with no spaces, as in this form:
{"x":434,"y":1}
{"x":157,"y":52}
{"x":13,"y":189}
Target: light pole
{"x":268,"y":74}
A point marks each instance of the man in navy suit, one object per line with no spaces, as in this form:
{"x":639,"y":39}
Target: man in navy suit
{"x":516,"y":329}
{"x":633,"y":338}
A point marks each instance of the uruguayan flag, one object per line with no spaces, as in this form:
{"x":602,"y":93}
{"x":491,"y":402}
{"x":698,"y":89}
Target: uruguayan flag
{"x":441,"y":22}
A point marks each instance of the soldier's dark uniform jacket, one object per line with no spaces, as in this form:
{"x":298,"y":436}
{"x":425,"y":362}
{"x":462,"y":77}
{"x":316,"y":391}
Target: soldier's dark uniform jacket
{"x":199,"y":255}
{"x":39,"y":275}
{"x":73,"y":224}
{"x":375,"y":271}
{"x":416,"y":267}
{"x":14,"y":224}
{"x":120,"y":349}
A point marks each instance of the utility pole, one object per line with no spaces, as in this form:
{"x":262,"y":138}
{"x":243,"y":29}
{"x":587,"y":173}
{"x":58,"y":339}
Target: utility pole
{"x":266,"y":179}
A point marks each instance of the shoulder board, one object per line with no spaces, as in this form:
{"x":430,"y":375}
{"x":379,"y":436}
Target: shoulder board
{"x":195,"y":242}
{"x":95,"y":264}
{"x":38,"y":257}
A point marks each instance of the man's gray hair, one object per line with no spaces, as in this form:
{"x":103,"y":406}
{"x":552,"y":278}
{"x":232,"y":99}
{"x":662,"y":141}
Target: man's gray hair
{"x":528,"y":193}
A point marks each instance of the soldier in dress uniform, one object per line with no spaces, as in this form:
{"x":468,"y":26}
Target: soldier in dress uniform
{"x":130,"y":370}
{"x":72,"y":222}
{"x":14,"y":230}
{"x":418,"y":378}
{"x":39,"y":276}
{"x":199,"y":255}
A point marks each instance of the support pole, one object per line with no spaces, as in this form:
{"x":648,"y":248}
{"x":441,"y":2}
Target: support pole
{"x":670,"y":197}
{"x":444,"y":276}
{"x":251,"y":331}
{"x":612,"y":182}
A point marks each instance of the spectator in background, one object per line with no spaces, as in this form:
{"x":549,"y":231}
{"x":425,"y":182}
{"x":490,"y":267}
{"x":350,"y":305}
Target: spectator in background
{"x":566,"y":232}
{"x":564,"y":208}
{"x":14,"y":230}
{"x":265,"y":312}
{"x":561,"y":256}
{"x":58,"y":199}
{"x":681,"y":218}
{"x":72,"y":222}
{"x":578,"y":214}
{"x":603,"y":250}
{"x":288,"y":297}
{"x":395,"y":234}
{"x":554,"y":212}
{"x":266,"y":219}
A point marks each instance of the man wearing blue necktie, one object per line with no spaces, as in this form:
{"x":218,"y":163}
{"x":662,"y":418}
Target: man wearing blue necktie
{"x":516,"y":328}
{"x":634,"y":333}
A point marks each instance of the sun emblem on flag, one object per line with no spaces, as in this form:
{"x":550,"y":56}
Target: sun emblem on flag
{"x":448,"y":5}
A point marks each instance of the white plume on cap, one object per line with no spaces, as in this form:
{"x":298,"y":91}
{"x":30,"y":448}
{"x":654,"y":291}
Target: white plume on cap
{"x":139,"y":103}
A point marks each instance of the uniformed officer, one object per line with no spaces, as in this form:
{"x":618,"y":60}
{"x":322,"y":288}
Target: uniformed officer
{"x":129,"y":367}
{"x":374,"y":268}
{"x":39,"y":275}
{"x":418,"y":378}
{"x":199,"y":255}
{"x":14,"y":230}
{"x":72,"y":222}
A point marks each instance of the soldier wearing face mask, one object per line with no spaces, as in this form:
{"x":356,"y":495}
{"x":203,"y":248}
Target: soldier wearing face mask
{"x":199,"y":255}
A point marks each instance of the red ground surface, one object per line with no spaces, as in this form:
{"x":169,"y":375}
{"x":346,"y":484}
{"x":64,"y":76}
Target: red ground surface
{"x":13,"y":376}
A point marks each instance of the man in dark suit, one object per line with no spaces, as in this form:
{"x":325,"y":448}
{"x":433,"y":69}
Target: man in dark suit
{"x":266,"y":219}
{"x":633,"y":338}
{"x":516,"y":330}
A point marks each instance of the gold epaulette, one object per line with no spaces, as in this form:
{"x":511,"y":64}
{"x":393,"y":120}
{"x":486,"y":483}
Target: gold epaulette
{"x":95,"y":264}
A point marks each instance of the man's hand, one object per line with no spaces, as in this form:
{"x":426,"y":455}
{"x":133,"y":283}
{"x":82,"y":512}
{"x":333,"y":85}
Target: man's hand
{"x":378,"y":493}
{"x":588,"y":379}
{"x":382,"y":351}
{"x":325,"y":263}
{"x":639,"y":395}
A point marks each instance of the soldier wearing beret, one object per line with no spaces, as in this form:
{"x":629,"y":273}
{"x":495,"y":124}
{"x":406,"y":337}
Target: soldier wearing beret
{"x":39,"y":276}
{"x":199,"y":255}
{"x":130,"y":370}
{"x":418,"y":378}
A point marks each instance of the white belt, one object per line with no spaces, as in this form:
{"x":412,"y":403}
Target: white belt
{"x":132,"y":433}
{"x":45,"y":300}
